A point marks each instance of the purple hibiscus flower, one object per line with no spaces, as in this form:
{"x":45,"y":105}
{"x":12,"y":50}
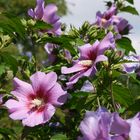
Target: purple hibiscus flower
{"x":1,"y":99}
{"x":102,"y":125}
{"x":36,"y":102}
{"x":48,"y":15}
{"x":131,"y":67}
{"x":105,"y":19}
{"x":121,"y":26}
{"x":109,"y":18}
{"x":90,"y":55}
{"x":52,"y":55}
{"x":49,"y":48}
{"x":88,"y":87}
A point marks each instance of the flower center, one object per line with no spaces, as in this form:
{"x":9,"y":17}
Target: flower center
{"x":103,"y":21}
{"x":86,"y":63}
{"x":37,"y":102}
{"x":116,"y":19}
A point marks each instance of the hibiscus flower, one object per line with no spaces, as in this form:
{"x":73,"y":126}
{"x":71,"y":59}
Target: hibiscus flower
{"x":90,"y":55}
{"x":35,"y":103}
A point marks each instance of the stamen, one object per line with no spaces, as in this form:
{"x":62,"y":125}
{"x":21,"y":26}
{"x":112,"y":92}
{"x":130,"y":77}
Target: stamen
{"x":85,"y":62}
{"x":37,"y":102}
{"x":103,"y":21}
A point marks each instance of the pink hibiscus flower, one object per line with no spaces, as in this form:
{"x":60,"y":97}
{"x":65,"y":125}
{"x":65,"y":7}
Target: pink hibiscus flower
{"x":90,"y":55}
{"x":36,"y":102}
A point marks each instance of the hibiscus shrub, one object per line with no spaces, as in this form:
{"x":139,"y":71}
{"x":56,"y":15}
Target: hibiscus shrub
{"x":70,"y":83}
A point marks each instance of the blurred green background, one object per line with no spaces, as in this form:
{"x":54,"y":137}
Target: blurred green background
{"x":20,"y":7}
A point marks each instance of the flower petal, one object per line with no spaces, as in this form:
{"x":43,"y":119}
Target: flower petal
{"x":111,"y":11}
{"x":75,"y":78}
{"x":117,"y":138}
{"x":19,"y":114}
{"x":18,"y":110}
{"x":36,"y":118}
{"x":48,"y":112}
{"x":50,"y":14}
{"x":134,"y":127}
{"x":43,"y":82}
{"x":90,"y":126}
{"x":100,"y":58}
{"x":33,"y":119}
{"x":86,"y":51}
{"x":106,"y":43}
{"x":88,"y":87}
{"x":90,"y":72}
{"x":31,"y":13}
{"x":39,"y":10}
{"x":119,"y":126}
{"x":105,"y":122}
{"x":56,"y":95}
{"x":11,"y":103}
{"x":57,"y":28}
{"x":21,"y":89}
{"x":75,"y":68}
{"x":49,"y":47}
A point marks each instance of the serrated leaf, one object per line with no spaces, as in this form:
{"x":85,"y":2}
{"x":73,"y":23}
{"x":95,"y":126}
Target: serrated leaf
{"x":61,"y":115}
{"x":59,"y":137}
{"x":134,"y":85}
{"x":64,"y":41}
{"x":122,"y":95}
{"x":40,"y":25}
{"x":126,"y":44}
{"x":26,"y":131}
{"x":135,"y":106}
{"x":9,"y":61}
{"x":130,"y":1}
{"x":2,"y":69}
{"x":130,"y":9}
{"x":6,"y":132}
{"x":12,"y":25}
{"x":54,"y":67}
{"x":81,"y":94}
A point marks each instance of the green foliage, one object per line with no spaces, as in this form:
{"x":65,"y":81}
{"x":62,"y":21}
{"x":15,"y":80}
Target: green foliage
{"x":122,"y":95}
{"x":126,"y":44}
{"x":59,"y":137}
{"x":12,"y":25}
{"x":20,"y":7}
{"x":22,"y":54}
{"x":130,"y":9}
{"x":40,"y":25}
{"x":135,"y":107}
{"x":9,"y":61}
{"x":7,"y":134}
{"x":130,"y":1}
{"x":64,"y":41}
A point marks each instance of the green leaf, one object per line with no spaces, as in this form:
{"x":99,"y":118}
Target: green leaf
{"x":130,"y":1}
{"x":126,"y":44}
{"x":64,"y":41}
{"x":54,"y":67}
{"x":81,"y":94}
{"x":79,"y":42}
{"x":9,"y":61}
{"x":7,"y":133}
{"x":2,"y":69}
{"x":122,"y":95}
{"x":12,"y":25}
{"x":130,"y":9}
{"x":134,"y":85}
{"x":59,"y":137}
{"x":26,"y":131}
{"x":61,"y":115}
{"x":40,"y":25}
{"x":135,"y":106}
